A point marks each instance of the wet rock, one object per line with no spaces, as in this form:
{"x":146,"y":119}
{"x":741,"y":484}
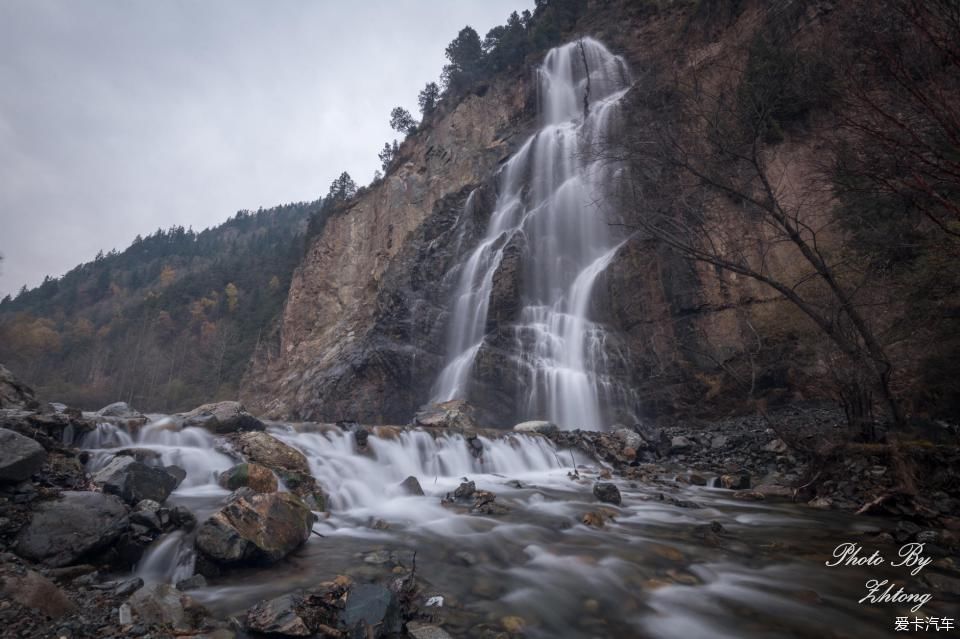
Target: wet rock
{"x":680,"y":444}
{"x":465,"y":491}
{"x":222,"y":418}
{"x":695,"y":479}
{"x":115,"y":465}
{"x":475,"y":446}
{"x":148,"y":518}
{"x":513,"y":624}
{"x":775,"y":490}
{"x":484,"y":503}
{"x":411,"y":486}
{"x":192,"y":583}
{"x":278,"y":616}
{"x":371,"y":611}
{"x":259,"y":529}
{"x":181,"y":517}
{"x":456,"y":415}
{"x":287,"y":462}
{"x":20,"y":457}
{"x":148,"y":505}
{"x":598,"y":518}
{"x":14,"y":393}
{"x":419,"y":630}
{"x":163,"y":604}
{"x":542,"y":427}
{"x":607,"y":493}
{"x":734,"y":481}
{"x":38,"y":593}
{"x":65,"y":530}
{"x":718,"y":442}
{"x":258,"y":478}
{"x":777,"y":446}
{"x":135,"y":482}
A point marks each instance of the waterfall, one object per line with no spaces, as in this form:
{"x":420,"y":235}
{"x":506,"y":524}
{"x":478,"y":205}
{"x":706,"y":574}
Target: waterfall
{"x":552,"y":201}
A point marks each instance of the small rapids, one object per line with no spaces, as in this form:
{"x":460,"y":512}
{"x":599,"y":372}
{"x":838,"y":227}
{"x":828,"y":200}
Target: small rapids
{"x":651,"y":571}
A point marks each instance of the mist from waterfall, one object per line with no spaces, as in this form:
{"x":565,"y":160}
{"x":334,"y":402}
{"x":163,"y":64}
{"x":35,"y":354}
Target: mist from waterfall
{"x":552,"y":201}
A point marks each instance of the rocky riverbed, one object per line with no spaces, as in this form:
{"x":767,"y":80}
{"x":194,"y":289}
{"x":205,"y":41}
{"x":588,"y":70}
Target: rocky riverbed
{"x":214,"y":523}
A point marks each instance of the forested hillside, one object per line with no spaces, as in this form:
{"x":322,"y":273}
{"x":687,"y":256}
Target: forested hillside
{"x":168,"y":323}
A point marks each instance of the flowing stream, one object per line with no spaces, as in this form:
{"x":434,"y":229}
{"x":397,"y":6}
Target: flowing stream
{"x":651,"y":572}
{"x":552,"y":200}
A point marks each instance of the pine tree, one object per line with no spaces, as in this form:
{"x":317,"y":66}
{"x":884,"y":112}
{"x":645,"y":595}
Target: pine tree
{"x":465,"y":54}
{"x":402,"y":122}
{"x":428,"y":98}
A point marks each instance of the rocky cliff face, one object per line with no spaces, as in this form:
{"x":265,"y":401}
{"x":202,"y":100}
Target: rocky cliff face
{"x":364,"y":330}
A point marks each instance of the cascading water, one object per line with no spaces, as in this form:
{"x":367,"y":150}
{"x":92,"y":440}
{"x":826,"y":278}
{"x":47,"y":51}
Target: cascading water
{"x":552,"y":199}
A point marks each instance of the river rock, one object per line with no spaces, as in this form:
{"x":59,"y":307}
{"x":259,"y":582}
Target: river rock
{"x":14,"y":393}
{"x":455,"y":414}
{"x":629,"y":438}
{"x":607,"y":493}
{"x":371,"y":611}
{"x":286,"y":461}
{"x":255,"y":530}
{"x":35,"y":591}
{"x":254,"y":476}
{"x":135,"y":482}
{"x":465,"y":491}
{"x":542,"y":427}
{"x":411,"y":486}
{"x":65,"y":530}
{"x":20,"y":456}
{"x":222,"y":418}
{"x":279,"y":616}
{"x":163,"y":604}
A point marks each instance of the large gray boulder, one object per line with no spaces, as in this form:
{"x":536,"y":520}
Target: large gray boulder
{"x":162,"y":604}
{"x":287,"y":462}
{"x":221,"y":418}
{"x":63,"y":531}
{"x":260,"y":529}
{"x":133,"y":481}
{"x":20,"y":456}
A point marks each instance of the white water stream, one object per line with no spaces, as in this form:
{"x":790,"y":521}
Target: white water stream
{"x":553,"y":200}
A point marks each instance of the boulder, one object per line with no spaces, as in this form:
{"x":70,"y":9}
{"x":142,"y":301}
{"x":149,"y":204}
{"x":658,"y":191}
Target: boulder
{"x":254,"y":476}
{"x":63,"y":531}
{"x":222,"y":418}
{"x":279,"y":616}
{"x":542,"y":427}
{"x":371,"y":611}
{"x":629,"y":438}
{"x":116,"y":465}
{"x":607,"y":493}
{"x":465,"y":491}
{"x":411,"y":486}
{"x":20,"y":456}
{"x":134,"y":482}
{"x":162,"y":604}
{"x":455,"y":414}
{"x":261,"y":529}
{"x":38,"y":593}
{"x":286,"y":461}
{"x":680,"y":444}
{"x":14,"y":393}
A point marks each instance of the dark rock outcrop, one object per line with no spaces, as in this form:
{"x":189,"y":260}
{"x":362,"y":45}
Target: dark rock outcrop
{"x":260,"y":529}
{"x":63,"y":531}
{"x":20,"y":456}
{"x":411,"y":486}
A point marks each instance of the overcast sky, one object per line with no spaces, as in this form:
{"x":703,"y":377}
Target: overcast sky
{"x":117,"y":118}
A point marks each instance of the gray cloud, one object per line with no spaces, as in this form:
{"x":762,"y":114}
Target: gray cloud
{"x":117,"y":118}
